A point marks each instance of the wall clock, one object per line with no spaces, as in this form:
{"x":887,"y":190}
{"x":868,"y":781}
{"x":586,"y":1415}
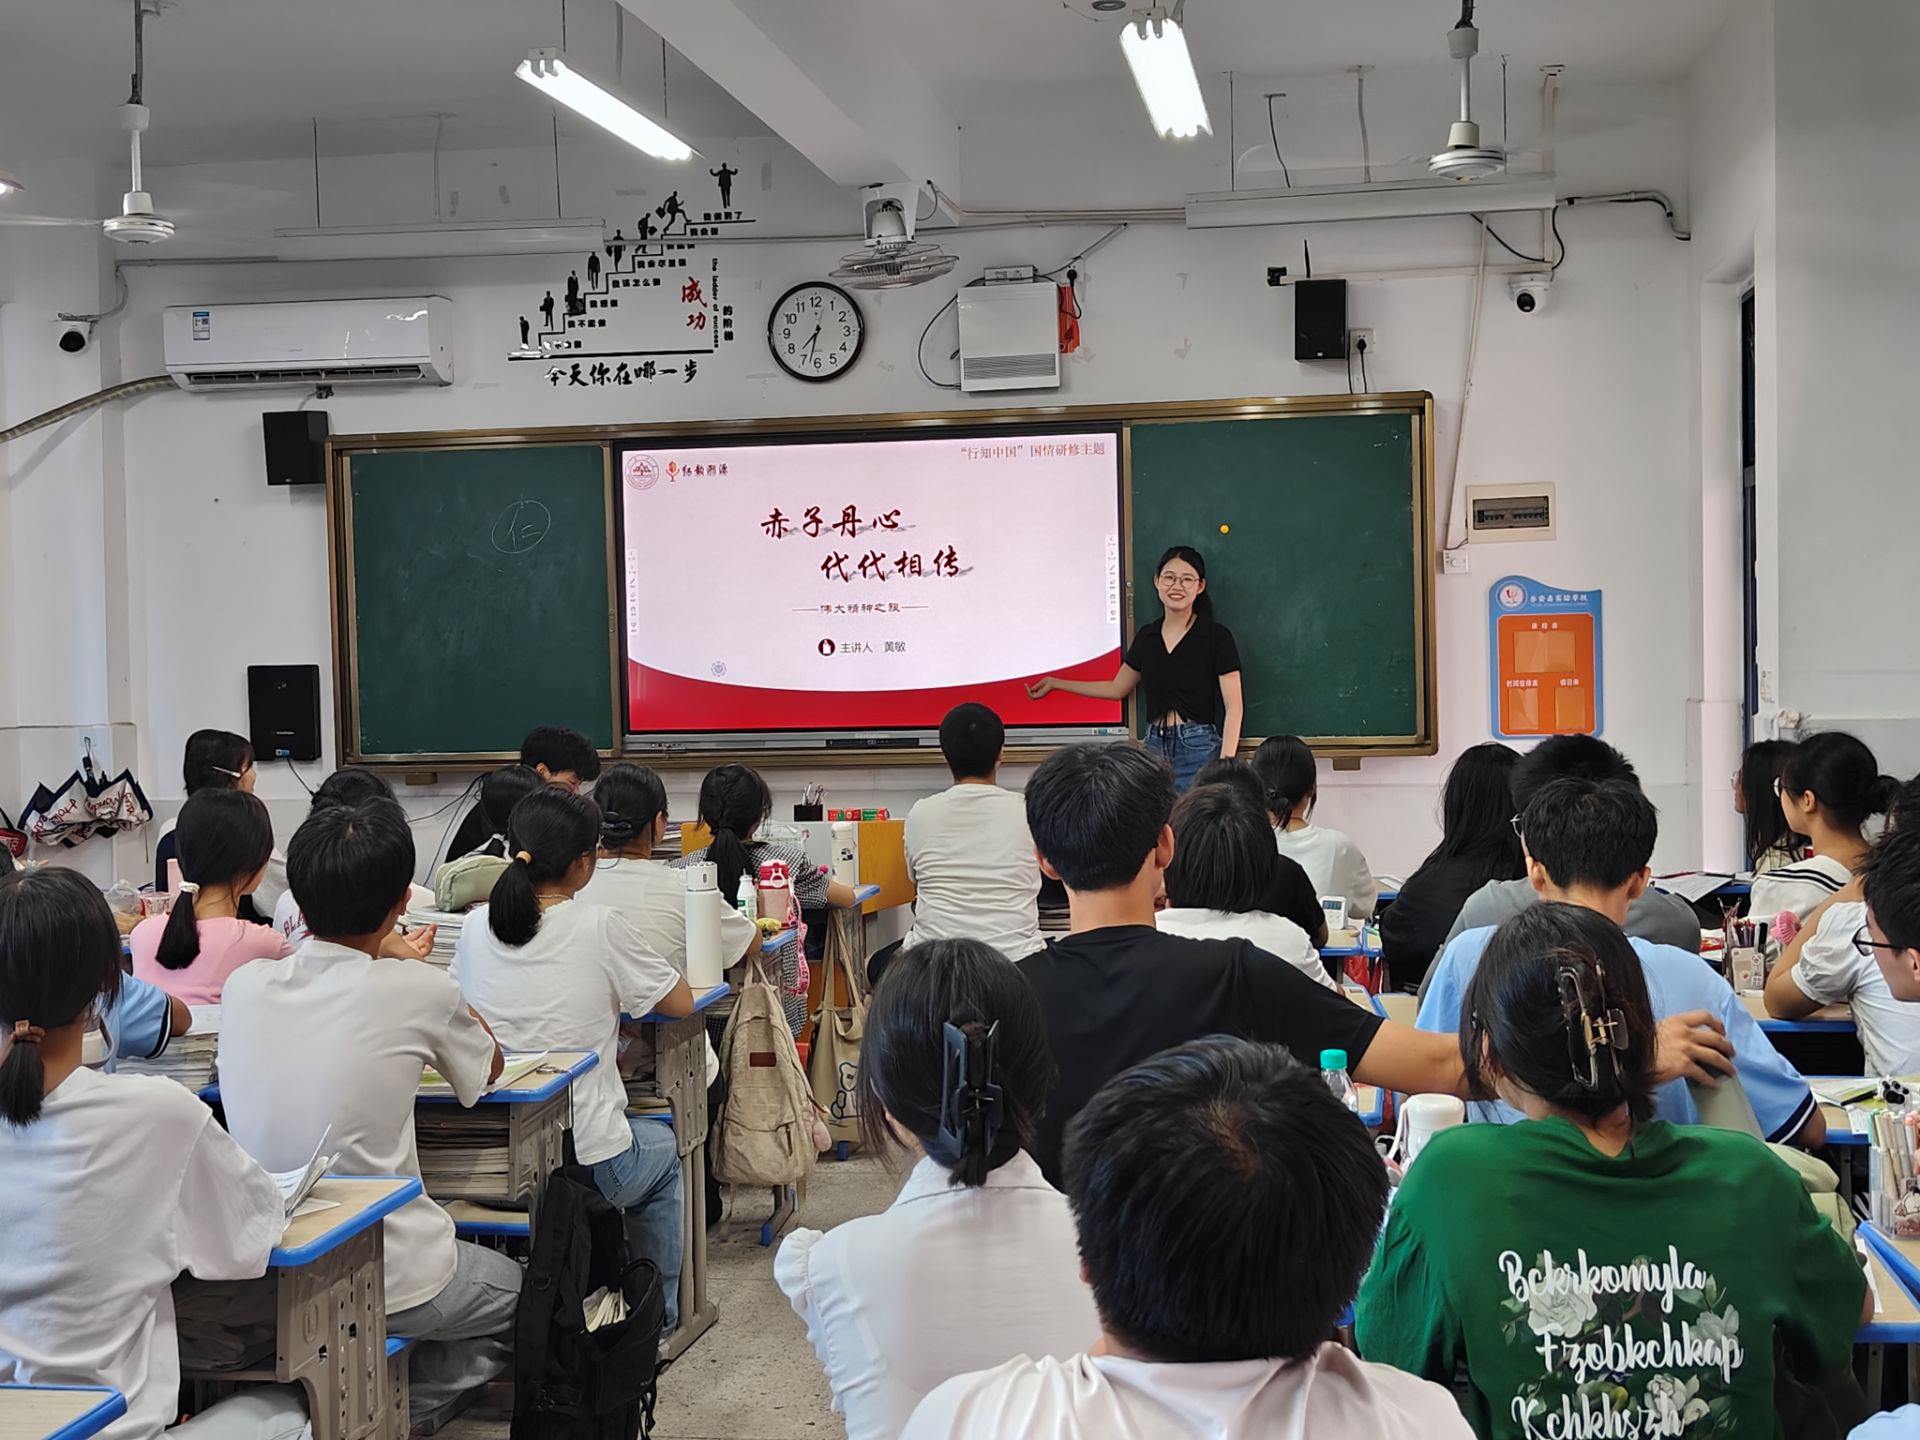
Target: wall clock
{"x":815,"y":331}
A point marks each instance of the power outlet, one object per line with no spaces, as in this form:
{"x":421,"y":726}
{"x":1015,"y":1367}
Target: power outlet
{"x":1354,"y":337}
{"x":1454,"y":562}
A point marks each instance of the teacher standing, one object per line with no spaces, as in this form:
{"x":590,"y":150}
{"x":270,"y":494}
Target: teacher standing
{"x":1190,"y":666}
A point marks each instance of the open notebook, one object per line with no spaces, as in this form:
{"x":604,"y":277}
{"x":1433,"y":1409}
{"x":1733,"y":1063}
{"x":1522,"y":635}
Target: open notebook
{"x":517,"y":1068}
{"x":296,"y":1186}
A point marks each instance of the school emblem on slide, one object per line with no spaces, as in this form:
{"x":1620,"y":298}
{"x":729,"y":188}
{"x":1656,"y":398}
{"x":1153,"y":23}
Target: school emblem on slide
{"x":643,"y":472}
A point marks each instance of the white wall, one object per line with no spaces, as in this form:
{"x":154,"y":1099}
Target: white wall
{"x":1594,"y":393}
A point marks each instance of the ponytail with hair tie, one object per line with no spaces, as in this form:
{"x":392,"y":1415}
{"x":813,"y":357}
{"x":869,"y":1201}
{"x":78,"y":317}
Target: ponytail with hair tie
{"x":559,"y":828}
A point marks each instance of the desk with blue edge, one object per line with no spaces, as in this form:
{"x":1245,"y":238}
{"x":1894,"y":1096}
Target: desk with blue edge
{"x":58,"y":1412}
{"x":330,"y":1311}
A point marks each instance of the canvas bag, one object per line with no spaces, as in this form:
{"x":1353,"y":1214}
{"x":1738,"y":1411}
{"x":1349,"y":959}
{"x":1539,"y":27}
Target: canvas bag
{"x":835,"y":1060}
{"x":765,"y":1134}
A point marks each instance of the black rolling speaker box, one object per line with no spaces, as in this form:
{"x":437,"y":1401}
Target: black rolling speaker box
{"x":1320,"y":320}
{"x":283,"y":711}
{"x":296,"y":446}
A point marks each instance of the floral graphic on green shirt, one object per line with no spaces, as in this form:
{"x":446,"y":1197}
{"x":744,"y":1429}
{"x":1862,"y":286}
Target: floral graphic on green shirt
{"x":1627,"y":1352}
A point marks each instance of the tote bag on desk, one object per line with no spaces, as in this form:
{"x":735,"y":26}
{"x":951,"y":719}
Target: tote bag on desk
{"x":834,"y":1065}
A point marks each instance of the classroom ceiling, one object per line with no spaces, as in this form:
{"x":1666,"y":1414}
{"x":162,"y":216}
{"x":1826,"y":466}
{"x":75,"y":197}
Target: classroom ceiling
{"x":232,"y":80}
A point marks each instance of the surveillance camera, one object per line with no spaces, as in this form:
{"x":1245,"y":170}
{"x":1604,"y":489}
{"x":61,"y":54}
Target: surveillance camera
{"x":73,"y":338}
{"x":1529,"y":291}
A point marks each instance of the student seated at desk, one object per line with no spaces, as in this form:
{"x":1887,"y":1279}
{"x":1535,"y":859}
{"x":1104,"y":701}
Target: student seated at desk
{"x":974,"y":1261}
{"x":1587,"y":844}
{"x":114,"y":1185}
{"x":1226,"y":1206}
{"x":1829,"y":787}
{"x":1538,"y":1255}
{"x":1477,"y":846}
{"x":558,"y":756}
{"x":1838,"y":958}
{"x":968,"y":851}
{"x":1293,"y":895}
{"x":1116,"y":990}
{"x":221,"y":760}
{"x":1333,"y":862}
{"x":550,"y":971}
{"x":1654,"y":915}
{"x":467,"y":877}
{"x":225,"y":840}
{"x":332,"y":1040}
{"x":349,"y":785}
{"x":734,"y":804}
{"x":1221,"y":876}
{"x":1770,"y":844}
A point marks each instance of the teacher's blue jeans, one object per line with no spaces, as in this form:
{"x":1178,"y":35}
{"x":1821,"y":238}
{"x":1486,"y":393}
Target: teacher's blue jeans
{"x":1186,"y":748}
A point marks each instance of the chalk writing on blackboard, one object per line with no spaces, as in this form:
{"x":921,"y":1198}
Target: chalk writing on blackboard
{"x":521,"y":526}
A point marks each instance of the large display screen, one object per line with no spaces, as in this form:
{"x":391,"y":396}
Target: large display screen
{"x":869,"y":585}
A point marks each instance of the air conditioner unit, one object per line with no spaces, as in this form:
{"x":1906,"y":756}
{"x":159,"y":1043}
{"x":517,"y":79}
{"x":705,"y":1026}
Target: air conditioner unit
{"x":398,"y":341}
{"x":1010,"y":336}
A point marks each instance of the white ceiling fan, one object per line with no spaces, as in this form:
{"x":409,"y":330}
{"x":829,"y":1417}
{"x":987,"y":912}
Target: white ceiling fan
{"x":138,"y":223}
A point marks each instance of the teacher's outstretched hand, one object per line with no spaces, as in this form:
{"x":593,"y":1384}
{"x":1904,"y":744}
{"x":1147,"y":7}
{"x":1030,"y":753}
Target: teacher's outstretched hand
{"x":1191,"y":667}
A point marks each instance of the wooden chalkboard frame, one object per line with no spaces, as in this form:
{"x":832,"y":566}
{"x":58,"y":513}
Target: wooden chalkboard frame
{"x":340,"y":453}
{"x":1417,"y":405}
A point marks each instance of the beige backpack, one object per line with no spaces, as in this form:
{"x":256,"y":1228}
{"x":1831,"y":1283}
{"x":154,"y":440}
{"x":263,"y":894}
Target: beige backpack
{"x":765,"y":1134}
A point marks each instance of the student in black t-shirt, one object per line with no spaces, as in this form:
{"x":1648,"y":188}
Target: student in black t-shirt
{"x":1116,"y":990}
{"x":1190,"y":666}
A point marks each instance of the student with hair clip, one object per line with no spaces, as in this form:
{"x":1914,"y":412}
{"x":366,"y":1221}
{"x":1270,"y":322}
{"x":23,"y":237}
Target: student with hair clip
{"x":974,"y":1262}
{"x":1594,"y":1242}
{"x":1477,"y":845}
{"x":1828,"y":789}
{"x":221,"y":760}
{"x":1333,"y":862}
{"x":1293,"y":895}
{"x":1223,"y":872}
{"x":225,"y":841}
{"x":1190,"y":666}
{"x":115,"y":1184}
{"x":349,"y":785}
{"x":1770,"y":844}
{"x":550,"y":971}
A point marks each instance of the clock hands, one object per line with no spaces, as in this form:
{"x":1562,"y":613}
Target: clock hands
{"x":812,"y":341}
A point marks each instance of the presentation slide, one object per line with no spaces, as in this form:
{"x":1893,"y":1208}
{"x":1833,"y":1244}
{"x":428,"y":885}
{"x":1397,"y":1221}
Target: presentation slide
{"x":870,"y":585}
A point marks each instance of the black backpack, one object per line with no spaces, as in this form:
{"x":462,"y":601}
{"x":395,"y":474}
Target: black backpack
{"x":570,"y":1383}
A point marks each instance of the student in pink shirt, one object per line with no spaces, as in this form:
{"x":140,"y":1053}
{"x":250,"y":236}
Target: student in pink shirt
{"x":226,"y":840}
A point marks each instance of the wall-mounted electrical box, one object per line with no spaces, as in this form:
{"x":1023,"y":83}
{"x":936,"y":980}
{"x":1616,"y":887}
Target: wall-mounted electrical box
{"x":1502,"y":514}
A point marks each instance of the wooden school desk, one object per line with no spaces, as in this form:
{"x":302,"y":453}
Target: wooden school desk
{"x":680,"y":1071}
{"x":330,"y":1311}
{"x":1828,"y":1020}
{"x":57,"y":1412}
{"x":538,"y":1108}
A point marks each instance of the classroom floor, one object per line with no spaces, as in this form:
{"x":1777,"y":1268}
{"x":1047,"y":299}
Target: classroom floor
{"x":753,"y":1376}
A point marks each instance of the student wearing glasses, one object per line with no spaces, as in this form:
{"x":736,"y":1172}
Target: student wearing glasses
{"x":1191,"y":669}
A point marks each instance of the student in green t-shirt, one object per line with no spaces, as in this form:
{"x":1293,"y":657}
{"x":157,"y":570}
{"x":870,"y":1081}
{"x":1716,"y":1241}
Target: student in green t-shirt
{"x":1597,"y":1272}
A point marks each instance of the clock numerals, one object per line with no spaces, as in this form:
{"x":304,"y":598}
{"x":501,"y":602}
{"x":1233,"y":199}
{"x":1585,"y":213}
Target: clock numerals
{"x":815,"y":331}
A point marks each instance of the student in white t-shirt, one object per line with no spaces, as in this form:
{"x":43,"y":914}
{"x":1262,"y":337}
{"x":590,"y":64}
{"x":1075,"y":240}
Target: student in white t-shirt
{"x":1221,"y":1256}
{"x":1829,"y":787}
{"x":349,"y":785}
{"x":1892,"y":925}
{"x":974,"y":1262}
{"x":1223,"y":873}
{"x":333,"y":1039}
{"x":969,"y":852}
{"x":1332,"y":861}
{"x":114,"y":1185}
{"x":549,"y":971}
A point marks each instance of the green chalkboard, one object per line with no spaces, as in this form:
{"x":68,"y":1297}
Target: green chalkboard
{"x":1322,"y":573}
{"x":477,"y":598}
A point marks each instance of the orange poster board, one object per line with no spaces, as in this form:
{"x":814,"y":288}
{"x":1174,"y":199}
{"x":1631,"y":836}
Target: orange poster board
{"x":1546,"y":660}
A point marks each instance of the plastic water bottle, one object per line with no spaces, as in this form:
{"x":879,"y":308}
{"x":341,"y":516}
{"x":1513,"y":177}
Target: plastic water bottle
{"x":1333,"y":1070}
{"x":745,"y":900}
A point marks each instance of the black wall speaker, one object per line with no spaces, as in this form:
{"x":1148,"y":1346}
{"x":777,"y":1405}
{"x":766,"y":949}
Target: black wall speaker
{"x":283,"y":711}
{"x":295,"y":441}
{"x":1320,"y":320}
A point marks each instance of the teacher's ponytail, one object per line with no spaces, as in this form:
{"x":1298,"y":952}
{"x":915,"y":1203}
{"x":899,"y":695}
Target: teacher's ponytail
{"x":734,"y":800}
{"x":1203,"y":602}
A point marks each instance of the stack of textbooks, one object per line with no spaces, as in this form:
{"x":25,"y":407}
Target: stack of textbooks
{"x":447,"y":934}
{"x":190,"y":1058}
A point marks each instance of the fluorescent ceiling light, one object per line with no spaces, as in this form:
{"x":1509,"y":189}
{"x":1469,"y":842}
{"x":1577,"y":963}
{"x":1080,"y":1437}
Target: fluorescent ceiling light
{"x":1394,"y":200}
{"x":8,"y":184}
{"x":1156,"y":50}
{"x":404,"y":242}
{"x":561,"y":79}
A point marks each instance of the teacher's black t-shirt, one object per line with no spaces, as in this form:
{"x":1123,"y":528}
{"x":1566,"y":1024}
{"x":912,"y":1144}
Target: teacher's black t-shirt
{"x":1113,"y":997}
{"x":1186,"y":681}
